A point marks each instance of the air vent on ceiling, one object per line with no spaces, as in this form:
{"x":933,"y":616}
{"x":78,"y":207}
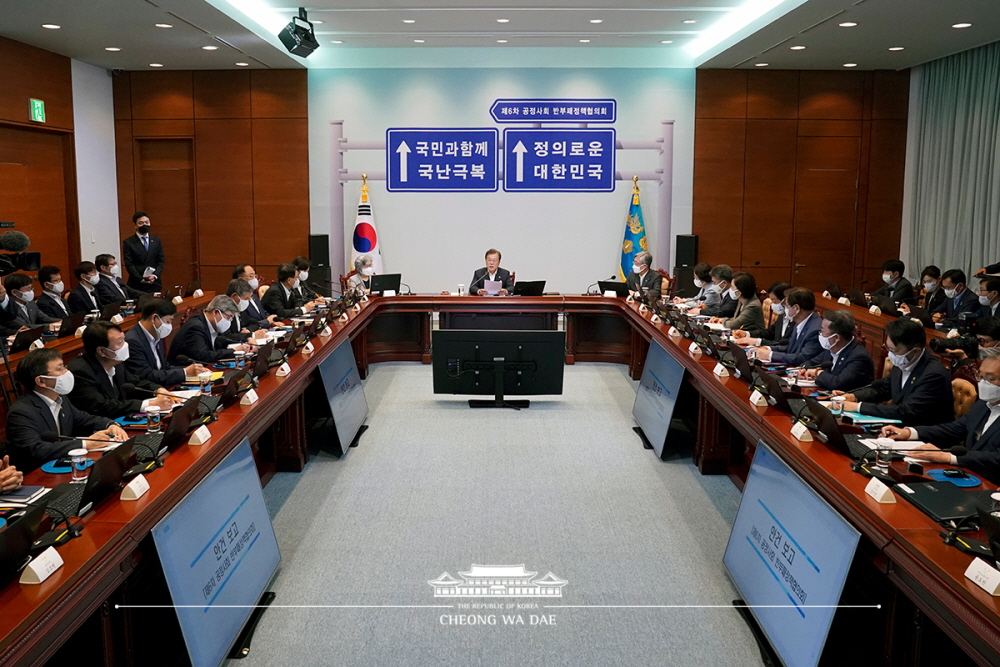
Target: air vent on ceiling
{"x":802,"y":32}
{"x":196,"y":27}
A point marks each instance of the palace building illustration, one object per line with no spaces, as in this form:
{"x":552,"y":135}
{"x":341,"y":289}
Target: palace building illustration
{"x":497,"y":581}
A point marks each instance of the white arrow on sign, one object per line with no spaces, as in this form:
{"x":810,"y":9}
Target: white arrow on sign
{"x":519,"y":152}
{"x":402,"y":150}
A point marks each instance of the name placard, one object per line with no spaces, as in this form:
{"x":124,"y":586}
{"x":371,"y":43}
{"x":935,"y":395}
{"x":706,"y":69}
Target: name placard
{"x":283,"y":370}
{"x":200,"y":436}
{"x":984,"y":575}
{"x":136,"y":488}
{"x":879,"y":491}
{"x":801,"y":432}
{"x":249,"y":398}
{"x":42,"y":567}
{"x":758,"y":399}
{"x":721,"y":370}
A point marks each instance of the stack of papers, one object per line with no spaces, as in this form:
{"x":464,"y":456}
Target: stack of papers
{"x":193,"y":379}
{"x":22,"y":496}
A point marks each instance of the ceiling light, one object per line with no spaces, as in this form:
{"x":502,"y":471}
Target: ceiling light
{"x":850,"y":64}
{"x":409,"y":21}
{"x":243,"y":64}
{"x":847,"y":24}
{"x":895,"y":48}
{"x":957,"y":25}
{"x":501,"y":41}
{"x":336,"y":41}
{"x":761,"y":65}
{"x":164,"y":25}
{"x":155,"y":65}
{"x":209,"y":48}
{"x":666,"y":41}
{"x":315,"y":21}
{"x":51,"y":26}
{"x":419,"y":41}
{"x":690,"y":21}
{"x":597,"y":20}
{"x":797,"y":48}
{"x":111,"y":48}
{"x":503,"y":20}
{"x":585,"y":41}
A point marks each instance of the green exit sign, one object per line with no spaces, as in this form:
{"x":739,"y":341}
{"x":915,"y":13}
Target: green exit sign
{"x":37,"y":110}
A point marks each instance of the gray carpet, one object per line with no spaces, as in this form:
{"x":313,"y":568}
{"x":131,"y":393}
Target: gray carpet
{"x":564,"y":487}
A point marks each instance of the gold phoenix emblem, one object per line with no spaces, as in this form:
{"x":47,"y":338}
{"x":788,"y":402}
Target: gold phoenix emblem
{"x":634,"y":225}
{"x":627,"y":247}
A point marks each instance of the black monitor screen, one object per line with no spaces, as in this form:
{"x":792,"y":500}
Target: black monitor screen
{"x":465,"y":361}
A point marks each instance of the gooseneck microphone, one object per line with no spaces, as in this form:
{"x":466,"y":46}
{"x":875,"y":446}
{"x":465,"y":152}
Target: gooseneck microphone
{"x":128,"y":386}
{"x":482,"y":277}
{"x":613,"y":276}
{"x":859,"y":465}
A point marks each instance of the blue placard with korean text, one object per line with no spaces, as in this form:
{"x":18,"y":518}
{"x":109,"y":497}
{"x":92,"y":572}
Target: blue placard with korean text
{"x":559,"y":160}
{"x":554,"y":111}
{"x":441,"y":159}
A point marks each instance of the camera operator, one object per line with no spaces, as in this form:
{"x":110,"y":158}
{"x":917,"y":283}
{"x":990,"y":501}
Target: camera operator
{"x":963,"y":351}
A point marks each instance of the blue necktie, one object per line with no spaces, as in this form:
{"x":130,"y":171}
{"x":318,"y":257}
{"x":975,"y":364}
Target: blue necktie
{"x":145,"y":242}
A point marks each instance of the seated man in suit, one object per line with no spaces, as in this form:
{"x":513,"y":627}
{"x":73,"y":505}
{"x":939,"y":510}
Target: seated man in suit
{"x":722,"y":278}
{"x":22,"y":303}
{"x":51,"y":300}
{"x":8,"y":318}
{"x":803,"y":342}
{"x":100,"y":379}
{"x":978,"y":430}
{"x":303,"y":265}
{"x":147,"y":356}
{"x":84,"y":297}
{"x":958,"y":299}
{"x":281,"y":300}
{"x":255,"y":310}
{"x":778,"y":332}
{"x":989,"y":297}
{"x":201,"y":339}
{"x":844,"y":363}
{"x":491,"y":271}
{"x":43,"y":408}
{"x":749,"y":315}
{"x":143,"y":251}
{"x":643,"y":278}
{"x":112,"y":288}
{"x":918,"y":385}
{"x":894,"y":285}
{"x":244,"y":326}
{"x":708,"y":292}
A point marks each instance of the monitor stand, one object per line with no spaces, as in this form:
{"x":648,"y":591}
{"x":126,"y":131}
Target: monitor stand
{"x":498,"y":399}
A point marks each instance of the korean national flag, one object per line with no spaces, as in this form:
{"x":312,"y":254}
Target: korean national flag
{"x":365,"y":237}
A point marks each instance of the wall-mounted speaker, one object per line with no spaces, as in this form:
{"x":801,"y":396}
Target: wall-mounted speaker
{"x":687,"y":250}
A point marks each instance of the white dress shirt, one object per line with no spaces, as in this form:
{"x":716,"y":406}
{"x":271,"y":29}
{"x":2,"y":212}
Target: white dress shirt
{"x":111,"y":376}
{"x":59,"y":300}
{"x":54,"y":407}
{"x":152,"y":345}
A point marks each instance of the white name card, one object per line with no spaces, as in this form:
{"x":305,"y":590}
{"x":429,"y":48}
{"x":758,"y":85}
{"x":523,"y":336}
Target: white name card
{"x":136,"y":488}
{"x":694,"y":349}
{"x":952,"y":334}
{"x":844,"y":301}
{"x":984,"y":575}
{"x":178,"y":299}
{"x":610,"y":293}
{"x":327,"y":331}
{"x":827,"y":294}
{"x":655,"y":319}
{"x":357,"y":307}
{"x":198,"y":294}
{"x":42,"y":567}
{"x":37,"y":344}
{"x":250,"y":397}
{"x":875,"y":310}
{"x":721,"y":371}
{"x":308,"y":349}
{"x":758,"y":399}
{"x":629,"y":299}
{"x":200,"y":436}
{"x":283,"y":370}
{"x":118,"y":319}
{"x":801,"y":433}
{"x":673,"y":331}
{"x":364,"y":299}
{"x":344,"y":317}
{"x":642,"y":308}
{"x":79,"y":331}
{"x":879,"y":491}
{"x":388,"y":292}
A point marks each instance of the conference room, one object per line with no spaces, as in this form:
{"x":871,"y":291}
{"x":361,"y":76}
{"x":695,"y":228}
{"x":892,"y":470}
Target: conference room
{"x":462,"y":333}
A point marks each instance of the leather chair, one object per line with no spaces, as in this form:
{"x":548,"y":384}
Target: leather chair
{"x":964,"y":394}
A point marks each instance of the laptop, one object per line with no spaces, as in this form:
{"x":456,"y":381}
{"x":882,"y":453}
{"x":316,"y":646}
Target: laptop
{"x":16,"y":540}
{"x":191,"y":287}
{"x":529,"y":288}
{"x":616,"y":286}
{"x":70,"y":324}
{"x":105,"y":479}
{"x":381,"y":282}
{"x":744,"y":370}
{"x":24,"y":339}
{"x":173,"y":437}
{"x":923,"y":315}
{"x":886,"y":305}
{"x":263,"y":361}
{"x":295,"y":340}
{"x":857,"y":297}
{"x":834,"y":290}
{"x":777,"y":398}
{"x":110,"y":310}
{"x":848,"y":444}
{"x":942,"y":501}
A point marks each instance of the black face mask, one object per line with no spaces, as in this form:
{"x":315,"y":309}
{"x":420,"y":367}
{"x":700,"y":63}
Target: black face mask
{"x":144,"y":229}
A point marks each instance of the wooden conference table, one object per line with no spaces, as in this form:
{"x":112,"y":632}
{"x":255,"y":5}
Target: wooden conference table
{"x":900,"y":541}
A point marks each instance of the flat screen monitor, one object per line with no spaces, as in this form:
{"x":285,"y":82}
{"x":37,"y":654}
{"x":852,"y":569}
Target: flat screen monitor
{"x":385,"y":281}
{"x":218,"y":549}
{"x":789,"y":554}
{"x":657,"y":394}
{"x":344,"y":392}
{"x":464,"y":361}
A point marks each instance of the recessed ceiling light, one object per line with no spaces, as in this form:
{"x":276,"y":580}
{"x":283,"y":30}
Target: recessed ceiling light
{"x":597,"y":20}
{"x":501,"y":41}
{"x":797,"y":48}
{"x":957,"y":25}
{"x":336,"y":41}
{"x":164,"y":25}
{"x":895,"y":48}
{"x":243,"y":64}
{"x":761,"y":65}
{"x":585,"y":41}
{"x":315,"y":21}
{"x":847,"y":24}
{"x":111,"y":48}
{"x":850,"y":64}
{"x":155,"y":65}
{"x":503,"y":20}
{"x":666,"y":41}
{"x":51,"y":26}
{"x":409,"y":21}
{"x":419,"y":41}
{"x":209,"y":48}
{"x":690,"y":21}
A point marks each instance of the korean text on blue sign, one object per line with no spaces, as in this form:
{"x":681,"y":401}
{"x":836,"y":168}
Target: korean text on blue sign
{"x":441,"y":159}
{"x":554,"y":110}
{"x":554,"y":160}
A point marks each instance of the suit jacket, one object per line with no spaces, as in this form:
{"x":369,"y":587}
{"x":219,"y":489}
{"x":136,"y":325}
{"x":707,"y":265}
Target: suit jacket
{"x":652,"y":282}
{"x":112,"y":289}
{"x":854,"y":368}
{"x":53,"y":306}
{"x":748,"y":316}
{"x":79,"y":300}
{"x":142,"y":362}
{"x":480,"y":276}
{"x":772,"y":336}
{"x":240,"y":322}
{"x":989,"y":311}
{"x":96,"y":393}
{"x":30,"y":416}
{"x":276,"y":303}
{"x":256,"y":311}
{"x":726,"y":307}
{"x":803,"y":343}
{"x":934,"y":301}
{"x":983,"y":456}
{"x":35,"y":317}
{"x":8,"y":319}
{"x":137,"y":258}
{"x":903,"y":290}
{"x":968,"y":302}
{"x":304,"y":293}
{"x":926,"y":398}
{"x":708,"y":296}
{"x":195,"y":340}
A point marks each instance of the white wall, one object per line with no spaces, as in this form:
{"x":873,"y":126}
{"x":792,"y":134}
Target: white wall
{"x":436,"y":240}
{"x":96,"y":182}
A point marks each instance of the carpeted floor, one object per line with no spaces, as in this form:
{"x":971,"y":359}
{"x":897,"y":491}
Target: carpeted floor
{"x":564,"y":487}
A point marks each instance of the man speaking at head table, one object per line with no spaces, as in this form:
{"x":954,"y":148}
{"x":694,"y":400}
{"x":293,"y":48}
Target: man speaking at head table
{"x":643,"y":278}
{"x":491,"y":271}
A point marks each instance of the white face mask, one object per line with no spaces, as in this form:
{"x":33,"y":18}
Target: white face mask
{"x":28,"y":296}
{"x":900,"y":361}
{"x":930,"y":287}
{"x":988,"y":391}
{"x":254,"y":283}
{"x":115,"y":270}
{"x":984,"y":300}
{"x":295,"y":285}
{"x":790,"y":315}
{"x":950,"y":293}
{"x":777,"y":309}
{"x":303,"y":275}
{"x":368,"y":271}
{"x":244,"y":305}
{"x":164,"y":329}
{"x":64,"y":382}
{"x":636,"y":268}
{"x":94,"y":279}
{"x":57,"y":288}
{"x":121,"y":354}
{"x":887,"y":277}
{"x":824,"y":341}
{"x":699,"y":283}
{"x":733,"y":294}
{"x":222,"y":326}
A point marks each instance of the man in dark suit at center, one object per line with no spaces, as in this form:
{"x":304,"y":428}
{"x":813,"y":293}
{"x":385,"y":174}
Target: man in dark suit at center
{"x":844,"y":363}
{"x":958,"y":298}
{"x":918,"y":385}
{"x":643,"y":277}
{"x":894,"y":285}
{"x":51,"y":301}
{"x":22,"y":304}
{"x":491,"y":271}
{"x":141,"y":252}
{"x":281,"y":299}
{"x":84,"y":297}
{"x":255,"y":310}
{"x":112,"y":288}
{"x":201,"y":338}
{"x":147,"y":355}
{"x":803,"y":342}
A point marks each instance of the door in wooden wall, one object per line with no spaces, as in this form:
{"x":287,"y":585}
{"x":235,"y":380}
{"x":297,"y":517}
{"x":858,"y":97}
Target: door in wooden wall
{"x":165,"y":189}
{"x":826,"y":198}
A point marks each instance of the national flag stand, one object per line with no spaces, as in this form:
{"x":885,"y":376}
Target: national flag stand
{"x":634,"y":241}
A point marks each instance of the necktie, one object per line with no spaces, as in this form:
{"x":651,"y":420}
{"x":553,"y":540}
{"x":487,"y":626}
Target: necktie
{"x":145,"y":242}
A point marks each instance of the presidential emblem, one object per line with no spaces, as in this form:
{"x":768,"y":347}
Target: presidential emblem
{"x":627,"y":247}
{"x":634,"y":224}
{"x":642,"y":243}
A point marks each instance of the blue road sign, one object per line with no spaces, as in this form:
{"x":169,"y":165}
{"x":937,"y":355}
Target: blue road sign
{"x":554,"y":110}
{"x":557,"y":160}
{"x":441,"y":159}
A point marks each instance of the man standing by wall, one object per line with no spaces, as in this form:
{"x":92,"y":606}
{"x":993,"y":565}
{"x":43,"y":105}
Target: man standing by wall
{"x":143,"y":256}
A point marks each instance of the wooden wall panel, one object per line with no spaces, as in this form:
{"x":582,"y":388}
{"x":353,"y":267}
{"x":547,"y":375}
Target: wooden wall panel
{"x":126,"y":173}
{"x":29,"y":72}
{"x":225,"y":190}
{"x":891,"y":95}
{"x":721,"y":95}
{"x":216,"y":277}
{"x":160,"y":95}
{"x":121,"y":93}
{"x":833,"y":95}
{"x":769,"y":194}
{"x":222,"y":94}
{"x":885,"y":192}
{"x":279,"y":93}
{"x":718,"y":188}
{"x":280,"y":189}
{"x":163,"y":128}
{"x":829,"y":128}
{"x":773,"y":94}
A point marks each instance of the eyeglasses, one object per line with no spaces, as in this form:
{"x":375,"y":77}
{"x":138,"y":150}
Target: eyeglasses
{"x":989,"y":377}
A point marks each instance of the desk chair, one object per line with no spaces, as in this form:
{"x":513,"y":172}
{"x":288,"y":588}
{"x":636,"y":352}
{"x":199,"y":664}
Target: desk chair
{"x":666,"y":284}
{"x":345,"y":281}
{"x":964,"y":395}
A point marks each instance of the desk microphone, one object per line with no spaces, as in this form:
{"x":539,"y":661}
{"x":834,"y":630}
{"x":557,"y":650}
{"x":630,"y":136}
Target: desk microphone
{"x":55,"y":537}
{"x":408,"y":289}
{"x":328,"y":288}
{"x":482,"y":277}
{"x":128,"y":386}
{"x":859,"y":465}
{"x":613,"y":276}
{"x":156,"y":462}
